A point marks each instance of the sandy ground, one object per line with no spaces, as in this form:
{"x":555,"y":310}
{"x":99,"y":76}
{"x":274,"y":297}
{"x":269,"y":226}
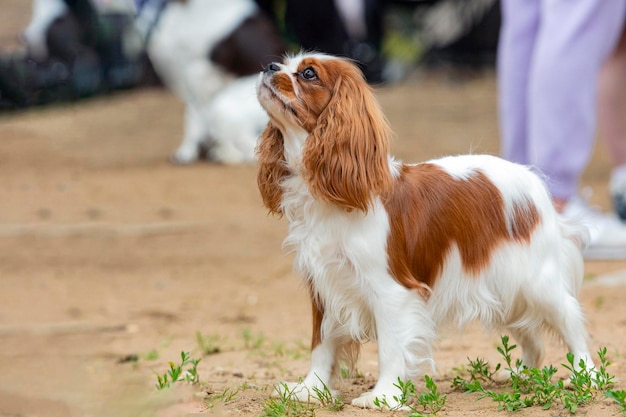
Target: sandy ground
{"x":107,"y":252}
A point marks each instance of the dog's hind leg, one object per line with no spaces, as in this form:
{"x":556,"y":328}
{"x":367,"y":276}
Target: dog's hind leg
{"x":531,"y":342}
{"x":566,"y":318}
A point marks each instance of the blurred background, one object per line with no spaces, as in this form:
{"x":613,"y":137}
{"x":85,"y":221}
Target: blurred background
{"x":57,"y":50}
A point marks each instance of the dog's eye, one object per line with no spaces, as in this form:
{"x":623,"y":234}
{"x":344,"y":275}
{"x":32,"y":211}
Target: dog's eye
{"x":308,"y":74}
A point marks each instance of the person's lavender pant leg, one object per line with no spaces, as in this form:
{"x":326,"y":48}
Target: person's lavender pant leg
{"x":518,"y":32}
{"x":574,"y":40}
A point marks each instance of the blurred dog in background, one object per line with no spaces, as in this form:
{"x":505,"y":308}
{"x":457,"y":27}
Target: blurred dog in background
{"x":208,"y":52}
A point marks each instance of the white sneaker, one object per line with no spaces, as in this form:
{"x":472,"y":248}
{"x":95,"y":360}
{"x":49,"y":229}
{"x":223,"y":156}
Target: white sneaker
{"x":617,"y":187}
{"x":607,"y":234}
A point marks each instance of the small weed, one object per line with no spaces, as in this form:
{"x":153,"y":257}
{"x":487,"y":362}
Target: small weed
{"x":151,"y":355}
{"x":208,"y":344}
{"x":509,"y":401}
{"x":349,"y":370}
{"x":619,"y":396}
{"x":252,"y":341}
{"x":479,"y":370}
{"x":538,"y":383}
{"x":535,"y":387}
{"x":326,"y":398}
{"x":228,"y":395}
{"x":287,"y":405}
{"x":581,"y":390}
{"x":294,"y":351}
{"x":428,"y":402}
{"x":225,"y":397}
{"x":407,"y":390}
{"x":431,"y":399}
{"x":602,"y":379}
{"x":279,"y":349}
{"x":186,"y":370}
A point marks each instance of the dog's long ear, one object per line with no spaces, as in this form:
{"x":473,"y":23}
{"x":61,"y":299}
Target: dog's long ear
{"x":346,"y":155}
{"x":272,"y":167}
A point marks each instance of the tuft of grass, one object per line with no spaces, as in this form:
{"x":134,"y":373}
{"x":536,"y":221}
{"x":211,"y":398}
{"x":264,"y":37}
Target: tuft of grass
{"x":428,"y":402}
{"x":279,"y":349}
{"x":287,"y":403}
{"x":229,"y":394}
{"x":186,"y":370}
{"x":536,"y":387}
{"x":151,"y":355}
{"x":208,"y":344}
{"x":478,"y":370}
{"x":619,"y":396}
{"x":346,"y":372}
{"x":326,"y":398}
{"x":252,"y":341}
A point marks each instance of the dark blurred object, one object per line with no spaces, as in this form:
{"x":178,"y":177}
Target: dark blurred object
{"x":459,"y":33}
{"x":85,"y":53}
{"x":249,"y":47}
{"x":25,"y":82}
{"x":319,"y":26}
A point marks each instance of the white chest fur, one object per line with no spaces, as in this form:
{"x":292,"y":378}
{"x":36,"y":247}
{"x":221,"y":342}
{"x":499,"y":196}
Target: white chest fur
{"x":342,"y":254}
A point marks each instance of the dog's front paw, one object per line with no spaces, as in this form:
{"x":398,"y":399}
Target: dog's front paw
{"x":303,"y":392}
{"x":380,"y":399}
{"x":504,"y":375}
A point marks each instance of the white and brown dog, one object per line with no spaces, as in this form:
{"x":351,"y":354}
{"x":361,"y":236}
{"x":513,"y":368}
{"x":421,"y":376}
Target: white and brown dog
{"x":206,"y":52}
{"x":390,"y":250}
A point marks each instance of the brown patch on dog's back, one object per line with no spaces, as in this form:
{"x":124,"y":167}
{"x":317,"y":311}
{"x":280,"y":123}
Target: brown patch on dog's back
{"x":526,"y":218}
{"x":430,"y":210}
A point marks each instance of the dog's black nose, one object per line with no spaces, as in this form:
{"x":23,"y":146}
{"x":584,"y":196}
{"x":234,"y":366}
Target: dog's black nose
{"x":271,"y":67}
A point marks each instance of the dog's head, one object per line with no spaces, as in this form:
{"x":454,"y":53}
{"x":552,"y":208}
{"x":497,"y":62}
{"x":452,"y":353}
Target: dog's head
{"x":325,"y":125}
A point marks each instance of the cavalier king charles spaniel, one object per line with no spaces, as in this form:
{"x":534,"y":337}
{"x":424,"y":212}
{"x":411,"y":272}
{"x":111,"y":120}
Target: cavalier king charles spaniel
{"x":389,"y":250}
